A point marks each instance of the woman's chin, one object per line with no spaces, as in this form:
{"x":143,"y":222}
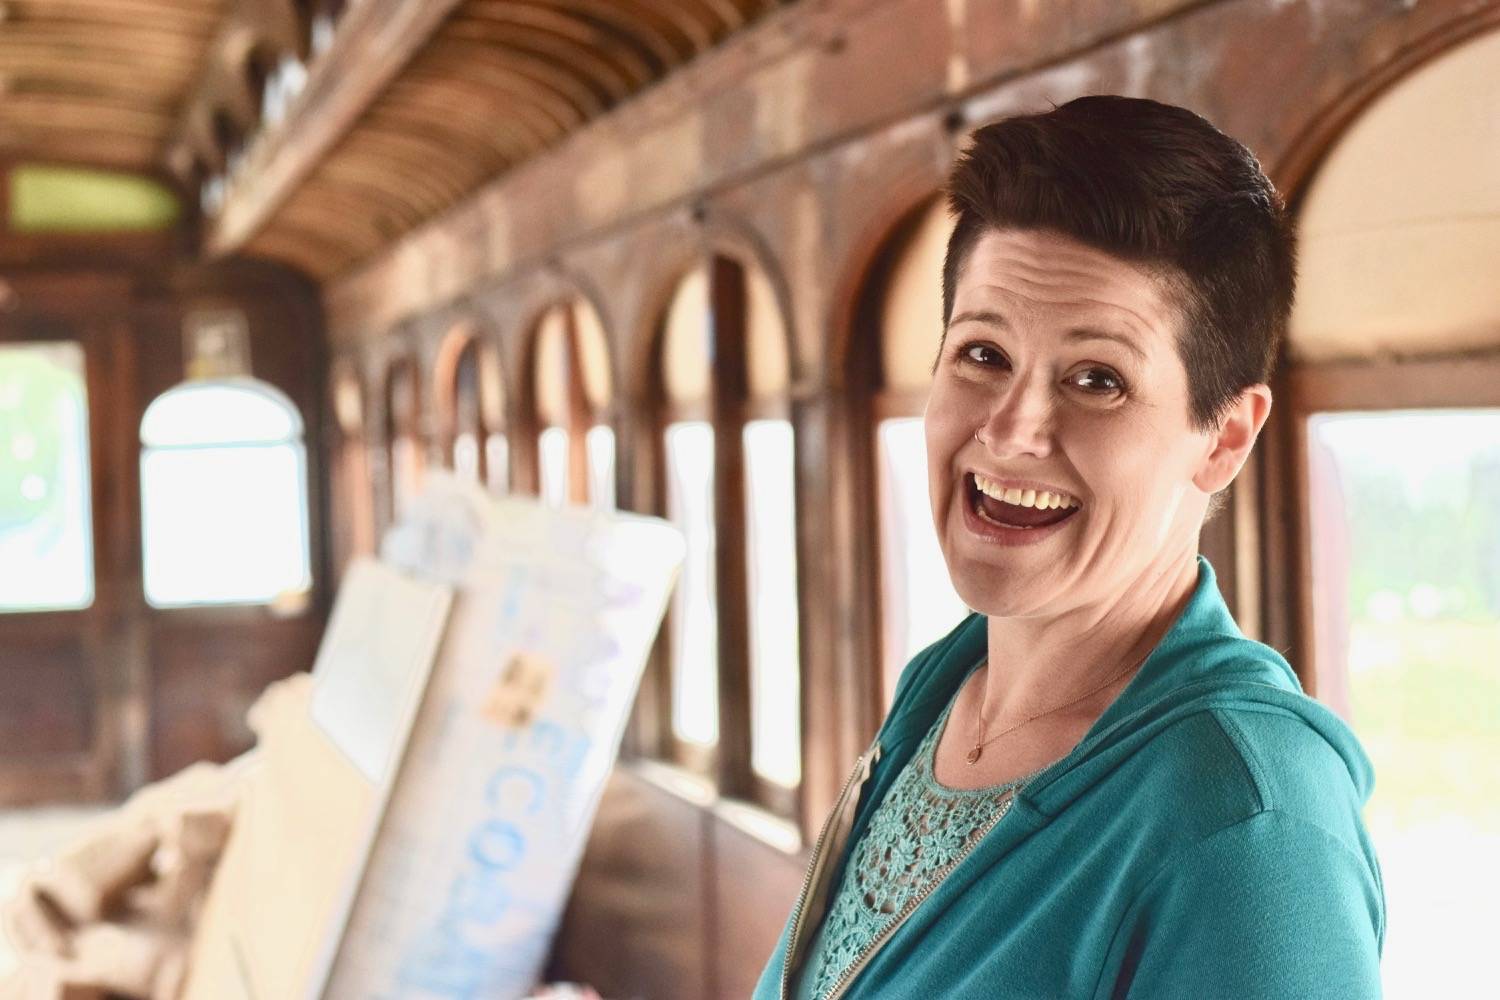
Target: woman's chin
{"x":1011,"y":598}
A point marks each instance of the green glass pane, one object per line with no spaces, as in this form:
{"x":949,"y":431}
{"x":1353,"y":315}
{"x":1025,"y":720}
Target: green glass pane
{"x":45,"y":537}
{"x":76,"y":199}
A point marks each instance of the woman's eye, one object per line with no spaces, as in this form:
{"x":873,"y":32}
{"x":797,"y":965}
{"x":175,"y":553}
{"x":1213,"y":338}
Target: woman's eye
{"x":983,"y":354}
{"x":1100,"y":381}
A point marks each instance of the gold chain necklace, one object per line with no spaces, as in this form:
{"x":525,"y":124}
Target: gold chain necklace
{"x":978,"y":751}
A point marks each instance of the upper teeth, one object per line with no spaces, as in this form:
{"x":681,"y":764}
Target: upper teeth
{"x":1042,"y":500}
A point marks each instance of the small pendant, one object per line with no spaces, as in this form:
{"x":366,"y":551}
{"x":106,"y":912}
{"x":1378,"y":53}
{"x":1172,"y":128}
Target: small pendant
{"x":974,"y":754}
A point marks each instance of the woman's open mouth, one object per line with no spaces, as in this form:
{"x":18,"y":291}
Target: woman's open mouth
{"x":1013,"y":516}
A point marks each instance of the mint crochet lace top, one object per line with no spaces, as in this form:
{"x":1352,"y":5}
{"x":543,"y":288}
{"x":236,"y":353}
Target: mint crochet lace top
{"x":918,"y":829}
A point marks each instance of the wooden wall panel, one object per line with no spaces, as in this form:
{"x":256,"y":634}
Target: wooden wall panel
{"x":205,"y":675}
{"x":638,"y":919}
{"x":756,"y":885}
{"x":46,"y":703}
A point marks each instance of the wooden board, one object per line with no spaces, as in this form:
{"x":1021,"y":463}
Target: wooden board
{"x":314,"y":799}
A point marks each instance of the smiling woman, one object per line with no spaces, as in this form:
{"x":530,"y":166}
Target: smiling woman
{"x":1097,"y":786}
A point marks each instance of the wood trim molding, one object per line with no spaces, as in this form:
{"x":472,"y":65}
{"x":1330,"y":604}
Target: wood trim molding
{"x":1410,"y":384}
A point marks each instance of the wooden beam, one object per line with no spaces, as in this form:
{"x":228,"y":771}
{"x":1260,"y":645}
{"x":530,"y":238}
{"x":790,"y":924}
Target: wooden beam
{"x":375,"y":40}
{"x":1397,"y":384}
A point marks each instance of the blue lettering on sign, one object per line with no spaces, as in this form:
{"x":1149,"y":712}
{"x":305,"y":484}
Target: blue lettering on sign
{"x":442,"y":961}
{"x":495,"y":787}
{"x":498,"y":845}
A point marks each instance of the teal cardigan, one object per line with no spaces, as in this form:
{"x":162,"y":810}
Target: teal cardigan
{"x":1203,"y":841}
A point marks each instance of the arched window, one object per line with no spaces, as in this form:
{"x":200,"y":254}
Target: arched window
{"x":575,"y":445}
{"x":223,"y":495}
{"x":728,"y":461}
{"x":354,"y":532}
{"x":471,"y":402}
{"x":1393,"y":393}
{"x":403,"y":436}
{"x":902,"y":308}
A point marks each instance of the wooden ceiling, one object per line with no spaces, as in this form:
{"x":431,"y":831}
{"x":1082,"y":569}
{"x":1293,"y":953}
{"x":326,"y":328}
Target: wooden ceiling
{"x":495,"y":82}
{"x":408,"y":106}
{"x":99,"y":81}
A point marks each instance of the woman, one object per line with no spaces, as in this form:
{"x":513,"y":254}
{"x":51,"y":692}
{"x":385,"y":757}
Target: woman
{"x":1096,"y":786}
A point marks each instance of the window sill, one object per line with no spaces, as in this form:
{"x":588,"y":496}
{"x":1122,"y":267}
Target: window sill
{"x":748,"y":818}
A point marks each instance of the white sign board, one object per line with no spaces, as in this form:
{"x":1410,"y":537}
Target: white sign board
{"x":509,"y":755}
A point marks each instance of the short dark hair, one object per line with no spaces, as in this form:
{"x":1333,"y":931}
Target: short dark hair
{"x":1156,"y":185}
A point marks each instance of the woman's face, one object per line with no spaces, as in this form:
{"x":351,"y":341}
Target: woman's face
{"x":1062,"y":360}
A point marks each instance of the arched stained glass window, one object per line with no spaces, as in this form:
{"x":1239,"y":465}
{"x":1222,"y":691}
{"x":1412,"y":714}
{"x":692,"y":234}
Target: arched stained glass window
{"x":223,"y":495}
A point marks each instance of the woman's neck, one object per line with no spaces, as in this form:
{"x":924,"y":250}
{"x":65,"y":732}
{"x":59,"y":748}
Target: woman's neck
{"x":1038,"y":664}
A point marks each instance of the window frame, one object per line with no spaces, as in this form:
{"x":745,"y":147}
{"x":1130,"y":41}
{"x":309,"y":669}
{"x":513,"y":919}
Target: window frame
{"x":351,"y":465}
{"x":396,"y":424}
{"x":728,"y":763}
{"x":467,"y":345}
{"x":581,"y":413}
{"x":301,"y":602}
{"x":1465,"y":381}
{"x":876,"y":400}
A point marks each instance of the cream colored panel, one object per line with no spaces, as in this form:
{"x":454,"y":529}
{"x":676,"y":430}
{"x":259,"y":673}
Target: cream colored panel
{"x":766,"y":336}
{"x":552,"y":369}
{"x":685,"y":357}
{"x":1401,"y":226}
{"x":348,"y":404}
{"x":491,"y":386}
{"x":594,"y":350}
{"x":911,"y":321}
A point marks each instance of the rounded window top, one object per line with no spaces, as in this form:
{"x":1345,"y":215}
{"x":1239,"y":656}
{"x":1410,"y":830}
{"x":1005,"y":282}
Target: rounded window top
{"x":220,"y":411}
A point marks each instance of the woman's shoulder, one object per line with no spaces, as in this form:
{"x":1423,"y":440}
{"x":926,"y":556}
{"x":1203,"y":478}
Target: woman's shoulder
{"x":1237,"y":757}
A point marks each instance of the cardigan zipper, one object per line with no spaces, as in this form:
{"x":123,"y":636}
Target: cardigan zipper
{"x":857,"y":777}
{"x":885,"y":932}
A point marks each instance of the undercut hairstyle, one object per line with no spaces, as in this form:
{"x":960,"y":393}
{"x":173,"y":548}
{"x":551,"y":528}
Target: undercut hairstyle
{"x":1162,"y":188}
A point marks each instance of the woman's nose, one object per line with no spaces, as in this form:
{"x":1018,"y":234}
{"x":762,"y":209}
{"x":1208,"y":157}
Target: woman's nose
{"x":1019,"y":423}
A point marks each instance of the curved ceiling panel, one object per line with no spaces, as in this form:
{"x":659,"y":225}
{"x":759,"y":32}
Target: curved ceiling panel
{"x":497,"y":82}
{"x":99,"y":81}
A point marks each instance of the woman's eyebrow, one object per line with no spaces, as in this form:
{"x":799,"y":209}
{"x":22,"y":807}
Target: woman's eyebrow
{"x":980,"y":316}
{"x":1086,"y":333}
{"x":992,"y":318}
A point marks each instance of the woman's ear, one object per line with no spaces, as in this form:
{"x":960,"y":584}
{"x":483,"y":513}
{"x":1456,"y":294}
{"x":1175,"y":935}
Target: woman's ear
{"x":1230,"y":443}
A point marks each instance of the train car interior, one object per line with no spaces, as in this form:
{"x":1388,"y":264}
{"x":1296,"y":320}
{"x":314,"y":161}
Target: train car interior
{"x":280,"y":277}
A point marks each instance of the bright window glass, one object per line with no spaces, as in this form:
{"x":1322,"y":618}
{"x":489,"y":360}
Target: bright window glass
{"x":1405,"y":512}
{"x":406,"y":471}
{"x":552,"y":447}
{"x":600,"y":442}
{"x":46,"y":537}
{"x":775,"y":699}
{"x":497,"y":462}
{"x":223,"y":496}
{"x":695,"y":623}
{"x":466,"y":456}
{"x":241,"y":411}
{"x":919,"y":605}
